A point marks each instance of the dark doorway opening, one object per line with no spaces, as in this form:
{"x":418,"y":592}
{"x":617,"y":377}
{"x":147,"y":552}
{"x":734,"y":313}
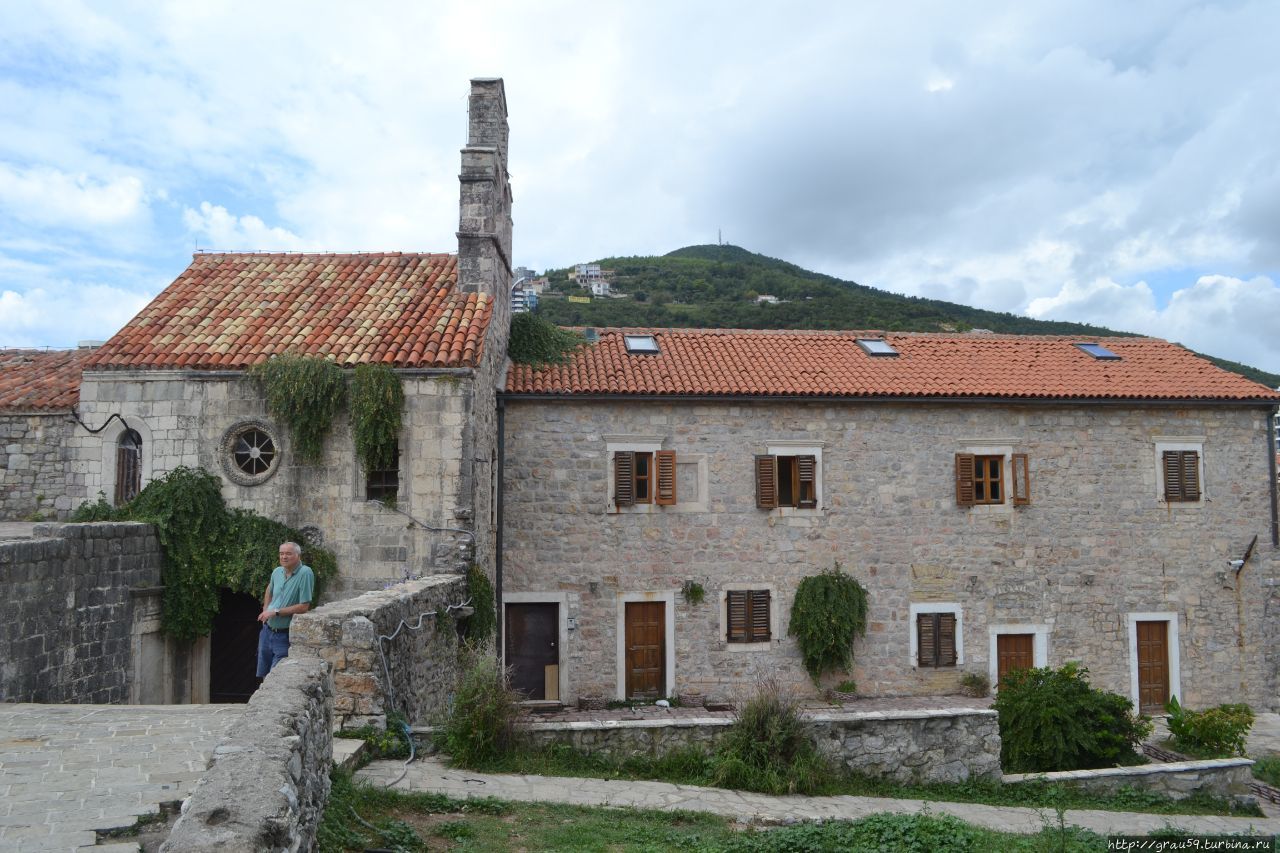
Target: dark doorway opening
{"x":533,"y":634}
{"x":233,"y":648}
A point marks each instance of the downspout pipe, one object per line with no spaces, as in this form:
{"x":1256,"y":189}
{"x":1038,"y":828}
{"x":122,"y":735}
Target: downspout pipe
{"x":497,"y":557}
{"x":1271,"y":466}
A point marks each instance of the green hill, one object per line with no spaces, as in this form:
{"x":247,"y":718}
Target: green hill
{"x":717,"y":286}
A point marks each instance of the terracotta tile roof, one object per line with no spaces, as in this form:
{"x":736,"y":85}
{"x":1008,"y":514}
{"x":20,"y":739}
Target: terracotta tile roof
{"x":40,"y":380}
{"x":230,"y":311}
{"x":831,"y":364}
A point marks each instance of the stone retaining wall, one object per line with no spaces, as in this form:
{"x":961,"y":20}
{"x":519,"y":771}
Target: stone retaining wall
{"x":1226,"y":778}
{"x":422,"y":660}
{"x":66,"y":616}
{"x":33,"y":466}
{"x":269,"y":780}
{"x":948,"y":745}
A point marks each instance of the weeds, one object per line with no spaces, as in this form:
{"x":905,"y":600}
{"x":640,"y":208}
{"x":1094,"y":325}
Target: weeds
{"x":768,"y":749}
{"x":480,"y":728}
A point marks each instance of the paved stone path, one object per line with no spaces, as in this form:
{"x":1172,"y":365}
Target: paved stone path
{"x":433,"y":776}
{"x":70,"y":771}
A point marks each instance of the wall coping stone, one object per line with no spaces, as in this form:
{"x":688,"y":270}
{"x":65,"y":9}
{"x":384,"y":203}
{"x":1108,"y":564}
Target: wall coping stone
{"x":1138,"y":770}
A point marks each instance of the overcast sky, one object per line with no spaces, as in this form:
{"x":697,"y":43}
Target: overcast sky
{"x":1106,"y":162}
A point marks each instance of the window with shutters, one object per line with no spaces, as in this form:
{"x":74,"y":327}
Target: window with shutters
{"x":747,"y":615}
{"x":1180,"y":471}
{"x":937,"y":638}
{"x":992,"y":476}
{"x":644,"y":478}
{"x":789,"y":477}
{"x":128,"y":466}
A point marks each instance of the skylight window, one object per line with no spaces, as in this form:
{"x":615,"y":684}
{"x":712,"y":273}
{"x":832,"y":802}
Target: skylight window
{"x":641,"y":344}
{"x":1099,"y":352}
{"x":876,"y":346}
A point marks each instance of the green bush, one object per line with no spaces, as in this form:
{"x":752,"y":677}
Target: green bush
{"x":481,"y":624}
{"x":829,"y":611}
{"x":1267,"y":769}
{"x":480,"y":726}
{"x":768,"y":750}
{"x":1051,"y":719}
{"x":1220,"y":731}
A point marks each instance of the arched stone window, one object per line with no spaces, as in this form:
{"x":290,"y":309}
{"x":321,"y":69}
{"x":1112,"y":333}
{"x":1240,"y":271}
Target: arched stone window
{"x":128,"y":466}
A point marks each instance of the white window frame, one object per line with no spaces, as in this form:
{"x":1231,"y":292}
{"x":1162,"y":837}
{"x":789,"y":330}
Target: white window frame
{"x":562,"y":652}
{"x":667,"y":597}
{"x":1039,"y":646}
{"x":1002,"y":447}
{"x":1175,"y":657}
{"x":916,"y":608}
{"x":1184,"y":442}
{"x":802,"y":447}
{"x":736,"y":586}
{"x":652,"y":444}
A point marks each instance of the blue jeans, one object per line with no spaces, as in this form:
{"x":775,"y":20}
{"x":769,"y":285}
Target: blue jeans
{"x":272,"y":646}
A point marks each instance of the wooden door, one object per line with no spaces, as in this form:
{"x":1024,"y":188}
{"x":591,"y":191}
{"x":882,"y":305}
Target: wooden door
{"x":1014,"y":651}
{"x":646,"y":652}
{"x":233,"y":648}
{"x":1153,"y":666}
{"x":532,"y":645}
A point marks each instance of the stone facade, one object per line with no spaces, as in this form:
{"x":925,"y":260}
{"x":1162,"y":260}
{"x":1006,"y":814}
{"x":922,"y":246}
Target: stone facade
{"x":34,"y":482}
{"x":1095,"y":551}
{"x":269,"y":780}
{"x":907,"y":746}
{"x":68,"y":612}
{"x":1223,"y":778}
{"x":421,"y":660}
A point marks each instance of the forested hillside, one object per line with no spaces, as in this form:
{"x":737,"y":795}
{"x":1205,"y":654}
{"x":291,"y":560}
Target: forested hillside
{"x":717,"y":286}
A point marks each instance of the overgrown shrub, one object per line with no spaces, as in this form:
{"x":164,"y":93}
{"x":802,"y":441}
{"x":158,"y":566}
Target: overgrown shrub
{"x":1218,"y":732}
{"x":538,"y":342}
{"x":480,"y":726}
{"x":305,"y":393}
{"x":1051,"y":719}
{"x":767,"y":749}
{"x":1267,"y":769}
{"x":829,"y":611}
{"x":377,"y":405}
{"x":480,"y":626}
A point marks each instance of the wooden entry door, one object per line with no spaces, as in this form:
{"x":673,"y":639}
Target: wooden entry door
{"x":1014,"y":651}
{"x":233,"y":648}
{"x":646,"y":657}
{"x":532,"y":649}
{"x":1153,"y":666}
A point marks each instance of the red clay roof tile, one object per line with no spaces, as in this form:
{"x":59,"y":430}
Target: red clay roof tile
{"x":40,"y":380}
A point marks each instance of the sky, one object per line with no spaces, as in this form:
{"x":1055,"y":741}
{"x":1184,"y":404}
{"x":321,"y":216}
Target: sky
{"x":1112,"y":163}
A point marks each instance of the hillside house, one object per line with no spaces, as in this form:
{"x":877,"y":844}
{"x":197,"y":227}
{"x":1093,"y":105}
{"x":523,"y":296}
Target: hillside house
{"x":1006,"y":501}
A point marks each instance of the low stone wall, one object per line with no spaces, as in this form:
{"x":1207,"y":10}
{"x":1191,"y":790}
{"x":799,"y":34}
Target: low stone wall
{"x":948,"y":745}
{"x":269,"y":779}
{"x":1226,"y":778}
{"x":67,"y":613}
{"x":422,"y":659}
{"x":34,"y":480}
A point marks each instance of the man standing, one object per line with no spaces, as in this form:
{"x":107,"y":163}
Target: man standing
{"x":288,"y":594}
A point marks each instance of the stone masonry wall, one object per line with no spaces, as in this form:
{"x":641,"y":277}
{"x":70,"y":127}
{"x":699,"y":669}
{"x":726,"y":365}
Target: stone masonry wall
{"x":422,"y":659}
{"x":1223,"y":778}
{"x":1095,"y":548}
{"x":66,"y":614}
{"x":906,"y":746}
{"x":34,"y":482}
{"x":267,"y":785}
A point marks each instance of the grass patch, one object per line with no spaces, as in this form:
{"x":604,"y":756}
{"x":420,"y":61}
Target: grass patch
{"x":1267,"y":769}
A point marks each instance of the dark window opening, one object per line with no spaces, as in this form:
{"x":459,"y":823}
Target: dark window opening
{"x":128,"y":467}
{"x":383,"y":484}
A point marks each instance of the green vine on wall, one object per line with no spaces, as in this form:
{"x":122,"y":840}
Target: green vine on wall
{"x":377,"y":401}
{"x":829,"y":611}
{"x":538,"y":342}
{"x":304,"y":393}
{"x":207,"y":546}
{"x":482,"y":623}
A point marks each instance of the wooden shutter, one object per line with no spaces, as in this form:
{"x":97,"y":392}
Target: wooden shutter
{"x":759,"y":621}
{"x":737,"y":603}
{"x":964,"y":479}
{"x":1181,"y":475}
{"x":624,"y":478}
{"x":665,"y":463}
{"x":766,"y":482}
{"x":1190,"y":475}
{"x":807,"y":481}
{"x":926,"y":629}
{"x":946,"y":639}
{"x":1021,"y":480}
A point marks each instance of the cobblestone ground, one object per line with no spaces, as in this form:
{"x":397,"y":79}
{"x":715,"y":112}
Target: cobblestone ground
{"x":69,"y":772}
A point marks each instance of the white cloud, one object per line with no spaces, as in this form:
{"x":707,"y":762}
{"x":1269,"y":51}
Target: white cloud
{"x":65,"y":313}
{"x":220,"y":230}
{"x":47,"y":196}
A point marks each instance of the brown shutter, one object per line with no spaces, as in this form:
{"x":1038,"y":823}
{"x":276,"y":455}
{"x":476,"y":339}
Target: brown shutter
{"x":624,"y":478}
{"x":1172,"y":476}
{"x":665,"y":462}
{"x":964,"y":479}
{"x":807,"y":477}
{"x":737,"y":602}
{"x":759,"y":627}
{"x":766,"y":482}
{"x":928,"y":651}
{"x":1021,"y":480}
{"x":1190,"y":475}
{"x":946,"y":639}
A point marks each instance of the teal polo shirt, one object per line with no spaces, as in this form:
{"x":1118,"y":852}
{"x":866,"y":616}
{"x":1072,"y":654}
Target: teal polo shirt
{"x":286,"y":592}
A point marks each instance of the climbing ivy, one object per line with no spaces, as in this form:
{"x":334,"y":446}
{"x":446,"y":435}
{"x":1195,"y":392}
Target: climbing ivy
{"x":207,"y":546}
{"x":538,"y":342}
{"x":481,"y":624}
{"x":377,"y":401}
{"x":829,"y":611}
{"x":305,"y":393}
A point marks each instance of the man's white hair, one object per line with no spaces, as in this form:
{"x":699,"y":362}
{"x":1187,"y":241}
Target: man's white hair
{"x":297,"y":549}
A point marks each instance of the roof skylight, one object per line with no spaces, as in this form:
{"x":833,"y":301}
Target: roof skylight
{"x":641,"y":344}
{"x":876,"y":346}
{"x":1098,"y":351}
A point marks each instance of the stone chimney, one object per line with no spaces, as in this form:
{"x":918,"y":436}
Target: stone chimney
{"x":484,"y":221}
